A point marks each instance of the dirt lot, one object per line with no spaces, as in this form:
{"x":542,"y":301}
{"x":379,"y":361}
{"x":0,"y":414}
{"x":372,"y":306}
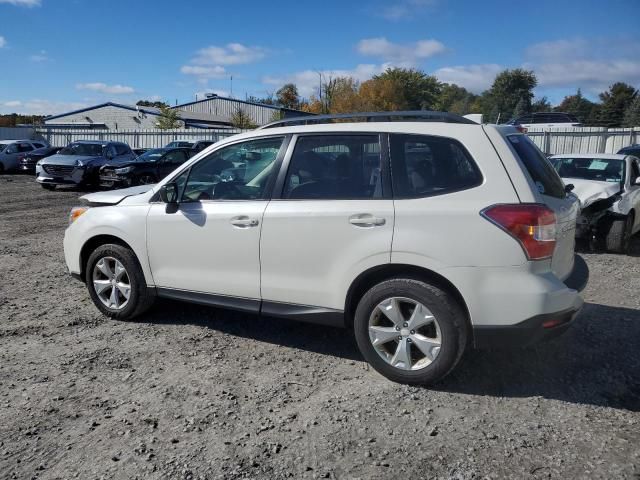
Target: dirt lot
{"x":192,"y":392}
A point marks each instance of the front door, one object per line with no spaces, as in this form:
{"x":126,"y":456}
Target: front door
{"x":210,"y":244}
{"x":332,"y":221}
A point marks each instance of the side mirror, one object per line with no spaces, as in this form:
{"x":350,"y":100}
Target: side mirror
{"x":637,"y":181}
{"x":169,"y":193}
{"x":569,"y":188}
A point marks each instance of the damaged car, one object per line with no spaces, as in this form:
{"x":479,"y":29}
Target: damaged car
{"x":608,"y":187}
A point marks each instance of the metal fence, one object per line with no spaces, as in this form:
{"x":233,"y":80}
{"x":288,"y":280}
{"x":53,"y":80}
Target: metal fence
{"x":134,"y":138}
{"x":551,"y":140}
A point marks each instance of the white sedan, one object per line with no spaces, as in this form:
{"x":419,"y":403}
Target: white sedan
{"x":608,"y":187}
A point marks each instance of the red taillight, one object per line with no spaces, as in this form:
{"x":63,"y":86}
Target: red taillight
{"x":521,"y":129}
{"x":532,"y":224}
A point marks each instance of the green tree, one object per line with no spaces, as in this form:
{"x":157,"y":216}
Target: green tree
{"x":615,"y":102}
{"x":241,"y":119}
{"x":454,"y":99}
{"x":509,"y":87}
{"x":578,"y":106}
{"x":418,"y":90}
{"x":520,"y":108}
{"x":288,"y":96}
{"x":149,"y":103}
{"x":632,"y":114}
{"x":541,"y":105}
{"x":168,"y":119}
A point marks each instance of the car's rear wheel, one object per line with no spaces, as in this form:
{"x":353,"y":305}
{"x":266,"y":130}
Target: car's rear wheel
{"x":116,"y":282}
{"x":146,"y":179}
{"x":410,"y":331}
{"x":618,"y":237}
{"x":47,"y":186}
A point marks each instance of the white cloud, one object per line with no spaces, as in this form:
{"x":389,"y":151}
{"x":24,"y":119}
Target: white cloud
{"x":405,"y":9}
{"x":475,"y":78}
{"x":40,"y":57}
{"x":307,"y":81}
{"x":104,"y":88}
{"x":591,"y":64}
{"x":204,"y":72}
{"x":401,"y":54}
{"x":39,"y":107}
{"x":230,"y":54}
{"x":3,"y":42}
{"x":22,"y":3}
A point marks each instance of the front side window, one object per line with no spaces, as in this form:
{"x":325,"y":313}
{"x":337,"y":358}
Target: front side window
{"x":24,"y":147}
{"x":423,"y":166}
{"x":175,"y":157}
{"x":237,"y":172}
{"x":335,"y":167}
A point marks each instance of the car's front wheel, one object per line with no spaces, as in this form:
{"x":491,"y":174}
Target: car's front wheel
{"x":410,"y":331}
{"x":116,"y":282}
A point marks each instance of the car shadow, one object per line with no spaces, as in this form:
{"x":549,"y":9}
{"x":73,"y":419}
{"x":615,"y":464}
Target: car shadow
{"x":597,"y":362}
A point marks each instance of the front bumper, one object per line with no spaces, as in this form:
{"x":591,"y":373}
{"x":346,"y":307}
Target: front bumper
{"x":539,"y":327}
{"x":75,"y":177}
{"x":27,"y":167}
{"x":110,"y":181}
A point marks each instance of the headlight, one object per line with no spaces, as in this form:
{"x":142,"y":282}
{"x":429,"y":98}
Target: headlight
{"x":39,"y":163}
{"x":122,"y":171}
{"x":76,"y":212}
{"x":79,"y":163}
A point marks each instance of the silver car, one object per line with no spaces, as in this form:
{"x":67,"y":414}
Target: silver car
{"x":11,"y":152}
{"x":79,"y":163}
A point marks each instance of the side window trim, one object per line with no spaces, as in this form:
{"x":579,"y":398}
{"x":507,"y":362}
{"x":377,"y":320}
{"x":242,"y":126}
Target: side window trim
{"x":278,"y":190}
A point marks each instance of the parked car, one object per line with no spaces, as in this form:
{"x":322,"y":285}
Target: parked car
{"x":11,"y":151}
{"x":201,"y":145}
{"x":546,"y":120}
{"x":365,"y":225}
{"x":608,"y":187}
{"x":28,"y":160}
{"x":139,"y":151}
{"x":631,"y":150}
{"x":79,"y":163}
{"x":148,"y":168}
{"x":179,"y":144}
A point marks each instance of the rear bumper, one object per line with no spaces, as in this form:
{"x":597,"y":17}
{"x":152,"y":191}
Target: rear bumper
{"x":539,"y":327}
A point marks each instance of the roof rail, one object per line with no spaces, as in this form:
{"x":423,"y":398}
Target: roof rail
{"x":402,"y":116}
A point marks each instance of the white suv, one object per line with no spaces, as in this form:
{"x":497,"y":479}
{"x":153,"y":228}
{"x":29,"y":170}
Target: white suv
{"x":424,"y":236}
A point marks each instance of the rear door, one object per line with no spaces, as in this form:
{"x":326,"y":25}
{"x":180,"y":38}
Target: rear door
{"x":551,"y":191}
{"x":333,"y":219}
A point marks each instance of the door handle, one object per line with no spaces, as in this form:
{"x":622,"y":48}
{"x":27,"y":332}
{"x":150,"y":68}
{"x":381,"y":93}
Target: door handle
{"x":366,"y":220}
{"x":244,"y":222}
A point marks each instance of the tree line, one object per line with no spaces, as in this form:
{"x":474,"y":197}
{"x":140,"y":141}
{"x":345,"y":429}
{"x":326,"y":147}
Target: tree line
{"x":510,"y":96}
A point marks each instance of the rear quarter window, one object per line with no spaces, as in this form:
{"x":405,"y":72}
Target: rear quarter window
{"x":544,"y":176}
{"x":424,"y":166}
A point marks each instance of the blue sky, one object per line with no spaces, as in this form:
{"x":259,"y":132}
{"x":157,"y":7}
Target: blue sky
{"x":58,"y":55}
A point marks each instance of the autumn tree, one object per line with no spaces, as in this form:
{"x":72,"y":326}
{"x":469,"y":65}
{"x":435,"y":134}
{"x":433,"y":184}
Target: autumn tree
{"x":418,"y":90}
{"x":288,"y":96}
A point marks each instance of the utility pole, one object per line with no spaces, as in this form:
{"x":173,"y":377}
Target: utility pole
{"x":231,"y":90}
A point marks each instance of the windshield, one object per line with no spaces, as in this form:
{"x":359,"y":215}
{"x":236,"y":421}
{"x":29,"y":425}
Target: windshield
{"x":151,"y":155}
{"x":599,"y":169}
{"x":84,"y":149}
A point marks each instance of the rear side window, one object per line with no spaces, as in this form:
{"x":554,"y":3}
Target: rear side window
{"x":335,"y":167}
{"x":423,"y":166}
{"x":545,"y":177}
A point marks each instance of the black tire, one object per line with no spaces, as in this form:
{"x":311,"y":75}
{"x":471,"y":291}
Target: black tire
{"x":140,"y":298}
{"x":1,"y":168}
{"x":618,"y":237}
{"x":47,"y":186}
{"x":450,"y":317}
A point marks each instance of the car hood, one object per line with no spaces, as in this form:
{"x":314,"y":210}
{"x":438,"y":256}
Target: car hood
{"x":124,"y":163}
{"x":113,"y":197}
{"x":68,"y":159}
{"x":589,"y":191}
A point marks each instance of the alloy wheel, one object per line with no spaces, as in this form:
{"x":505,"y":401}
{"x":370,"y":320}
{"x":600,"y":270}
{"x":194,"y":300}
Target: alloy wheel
{"x":111,"y":283}
{"x":405,"y":333}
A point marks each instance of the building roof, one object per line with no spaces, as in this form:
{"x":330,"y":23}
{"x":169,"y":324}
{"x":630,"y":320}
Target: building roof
{"x":274,"y":107}
{"x":184,"y":115}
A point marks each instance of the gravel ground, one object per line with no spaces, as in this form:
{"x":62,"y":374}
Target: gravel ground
{"x":192,"y":392}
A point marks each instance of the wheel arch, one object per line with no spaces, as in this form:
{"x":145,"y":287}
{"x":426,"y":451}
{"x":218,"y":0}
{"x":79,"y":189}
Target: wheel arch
{"x":94,"y":242}
{"x":380,"y":273}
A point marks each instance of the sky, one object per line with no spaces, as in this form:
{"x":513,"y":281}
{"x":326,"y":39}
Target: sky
{"x":59,"y":55}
